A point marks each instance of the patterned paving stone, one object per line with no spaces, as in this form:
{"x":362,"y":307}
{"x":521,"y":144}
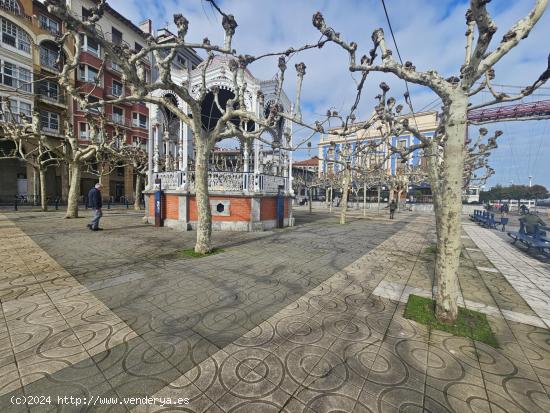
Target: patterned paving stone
{"x":301,"y":320}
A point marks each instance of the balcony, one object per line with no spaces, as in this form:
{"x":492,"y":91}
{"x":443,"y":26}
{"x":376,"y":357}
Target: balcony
{"x":113,"y":67}
{"x":119,"y":120}
{"x":52,"y":98}
{"x":116,"y":92}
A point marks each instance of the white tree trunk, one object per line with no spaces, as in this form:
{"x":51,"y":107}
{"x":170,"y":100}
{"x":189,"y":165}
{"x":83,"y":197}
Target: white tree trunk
{"x":137,"y":193}
{"x":74,"y":190}
{"x":448,"y":211}
{"x":43,"y":201}
{"x":203,"y":244}
{"x":344,"y":201}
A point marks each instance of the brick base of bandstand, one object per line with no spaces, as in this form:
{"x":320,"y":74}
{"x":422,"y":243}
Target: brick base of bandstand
{"x":230,"y":212}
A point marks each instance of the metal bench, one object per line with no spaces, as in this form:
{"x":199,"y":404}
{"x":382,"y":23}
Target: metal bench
{"x":536,"y":240}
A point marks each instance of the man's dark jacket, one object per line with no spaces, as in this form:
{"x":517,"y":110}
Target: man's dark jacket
{"x":94,"y":199}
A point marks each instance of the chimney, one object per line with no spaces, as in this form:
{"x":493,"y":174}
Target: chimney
{"x":146,"y":26}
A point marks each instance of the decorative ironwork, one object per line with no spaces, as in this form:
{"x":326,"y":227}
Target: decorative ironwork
{"x":170,"y":180}
{"x":271,"y":183}
{"x":224,"y":181}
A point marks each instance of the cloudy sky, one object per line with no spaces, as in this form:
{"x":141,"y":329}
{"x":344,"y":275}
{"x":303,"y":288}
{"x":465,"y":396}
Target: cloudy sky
{"x":430,"y":33}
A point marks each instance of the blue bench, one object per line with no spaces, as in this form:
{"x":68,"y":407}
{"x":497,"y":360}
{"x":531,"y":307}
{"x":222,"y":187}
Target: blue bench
{"x":487,"y":219}
{"x":536,"y":240}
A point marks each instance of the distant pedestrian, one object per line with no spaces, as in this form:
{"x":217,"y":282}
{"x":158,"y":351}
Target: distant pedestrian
{"x":94,"y":202}
{"x":523,"y":208}
{"x":393,"y":207}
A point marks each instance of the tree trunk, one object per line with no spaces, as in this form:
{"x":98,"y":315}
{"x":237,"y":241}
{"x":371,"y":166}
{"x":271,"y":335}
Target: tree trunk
{"x":204,"y":225}
{"x":309,"y":200}
{"x":448,"y":211}
{"x":43,"y":201}
{"x":344,"y":201}
{"x":74,"y":190}
{"x":137,"y":193}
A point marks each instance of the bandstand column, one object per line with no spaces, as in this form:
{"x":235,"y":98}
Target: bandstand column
{"x":166,"y":140}
{"x":183,"y":147}
{"x":156,"y":144}
{"x":290,"y":152}
{"x":150,"y":159}
{"x":246,"y":158}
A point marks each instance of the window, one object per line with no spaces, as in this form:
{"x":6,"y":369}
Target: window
{"x":49,"y":54}
{"x":117,"y":88}
{"x":115,"y":66}
{"x":87,"y":73}
{"x":120,"y":171}
{"x":25,"y":109}
{"x":25,"y":80}
{"x":83,"y":132}
{"x":91,"y":99}
{"x":137,"y":47}
{"x":139,"y":120}
{"x":48,"y":24}
{"x":116,"y":36}
{"x":118,"y":115}
{"x":49,"y":121}
{"x":86,"y":14}
{"x":15,"y":36}
{"x":49,"y":89}
{"x":10,"y":5}
{"x":90,"y":45}
{"x":9,"y":74}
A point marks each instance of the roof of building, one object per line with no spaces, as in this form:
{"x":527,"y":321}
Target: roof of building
{"x":308,"y":162}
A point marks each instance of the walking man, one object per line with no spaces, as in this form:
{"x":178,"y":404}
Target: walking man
{"x":94,"y":202}
{"x":393,"y":207}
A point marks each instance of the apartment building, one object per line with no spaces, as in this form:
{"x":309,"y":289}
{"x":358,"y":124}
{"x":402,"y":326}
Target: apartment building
{"x":132,"y":120}
{"x":17,"y":42}
{"x":28,"y":69}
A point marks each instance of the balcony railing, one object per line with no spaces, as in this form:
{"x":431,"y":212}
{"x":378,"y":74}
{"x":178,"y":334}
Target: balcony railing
{"x":52,"y":98}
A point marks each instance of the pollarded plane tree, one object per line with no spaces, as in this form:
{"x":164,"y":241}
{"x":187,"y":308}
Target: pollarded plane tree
{"x":455,"y":93}
{"x":136,"y":157}
{"x":475,"y":168}
{"x":353,"y":163}
{"x":22,"y":140}
{"x":236,"y":118}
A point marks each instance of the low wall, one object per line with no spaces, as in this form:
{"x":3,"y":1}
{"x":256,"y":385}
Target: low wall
{"x":230,"y":211}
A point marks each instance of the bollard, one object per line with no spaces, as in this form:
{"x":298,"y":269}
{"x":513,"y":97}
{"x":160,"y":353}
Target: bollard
{"x":126,"y":203}
{"x":15,"y":204}
{"x":109,"y":204}
{"x":56,"y":204}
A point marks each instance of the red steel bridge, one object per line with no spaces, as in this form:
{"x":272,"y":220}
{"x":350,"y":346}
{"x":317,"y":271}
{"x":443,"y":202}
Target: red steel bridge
{"x":521,"y":111}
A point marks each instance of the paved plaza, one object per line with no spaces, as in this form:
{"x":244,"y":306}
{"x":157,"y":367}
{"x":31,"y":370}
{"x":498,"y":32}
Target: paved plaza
{"x":303,"y":319}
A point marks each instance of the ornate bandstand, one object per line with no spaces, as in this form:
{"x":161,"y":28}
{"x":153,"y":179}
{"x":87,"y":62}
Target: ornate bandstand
{"x":250,"y":185}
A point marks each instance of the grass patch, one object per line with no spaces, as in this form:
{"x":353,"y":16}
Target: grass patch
{"x":468,"y":324}
{"x":432,"y":249}
{"x":190,"y":252}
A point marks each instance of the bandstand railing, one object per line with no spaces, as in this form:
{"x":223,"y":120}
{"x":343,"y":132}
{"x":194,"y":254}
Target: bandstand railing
{"x":224,"y":181}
